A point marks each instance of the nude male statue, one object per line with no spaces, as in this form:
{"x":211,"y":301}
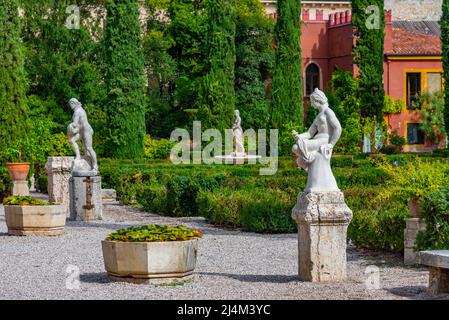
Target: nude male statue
{"x":80,"y":129}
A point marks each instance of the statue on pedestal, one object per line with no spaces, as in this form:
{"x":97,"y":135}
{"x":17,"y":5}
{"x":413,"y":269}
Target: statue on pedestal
{"x":320,"y":211}
{"x":313,"y":149}
{"x":81,"y":130}
{"x":237,"y":133}
{"x":85,"y":183}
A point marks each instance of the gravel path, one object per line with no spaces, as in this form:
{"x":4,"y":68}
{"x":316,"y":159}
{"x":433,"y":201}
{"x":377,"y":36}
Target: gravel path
{"x":231,"y":265}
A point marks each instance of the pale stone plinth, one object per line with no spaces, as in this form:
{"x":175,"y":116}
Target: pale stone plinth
{"x":58,"y":170}
{"x":323,"y":219}
{"x":85,"y":198}
{"x":412,"y":227}
{"x":140,"y":261}
{"x":438,"y":261}
{"x":20,"y":188}
{"x":35,"y":220}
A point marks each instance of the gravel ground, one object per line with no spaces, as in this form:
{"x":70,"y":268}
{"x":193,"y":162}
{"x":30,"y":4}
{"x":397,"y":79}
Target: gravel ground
{"x":231,"y":265}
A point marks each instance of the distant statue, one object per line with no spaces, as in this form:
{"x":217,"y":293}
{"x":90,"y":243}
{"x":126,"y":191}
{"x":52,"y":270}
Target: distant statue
{"x":81,"y":130}
{"x":313,"y":149}
{"x":237,"y":133}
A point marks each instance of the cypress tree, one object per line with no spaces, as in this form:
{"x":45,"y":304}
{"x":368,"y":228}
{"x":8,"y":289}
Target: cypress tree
{"x":444,"y":25}
{"x":368,"y":55}
{"x":216,"y":98}
{"x":125,"y":79}
{"x":13,"y":107}
{"x":287,"y":83}
{"x":254,"y":62}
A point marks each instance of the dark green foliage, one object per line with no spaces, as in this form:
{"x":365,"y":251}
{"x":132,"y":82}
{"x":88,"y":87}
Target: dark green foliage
{"x":436,"y":215}
{"x":444,"y":26}
{"x":124,"y":79}
{"x":5,"y":183}
{"x":182,"y":192}
{"x":368,"y":56}
{"x":254,"y":61}
{"x":346,"y":105}
{"x":286,"y":104}
{"x":62,"y":63}
{"x":216,"y":97}
{"x":13,"y":105}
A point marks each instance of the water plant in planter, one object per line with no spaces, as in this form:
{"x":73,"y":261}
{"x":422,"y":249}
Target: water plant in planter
{"x":141,"y":254}
{"x":28,"y":216}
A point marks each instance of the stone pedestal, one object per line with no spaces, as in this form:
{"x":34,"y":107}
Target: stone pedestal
{"x":59,"y":170}
{"x":323,"y":219}
{"x":20,"y":188}
{"x":85,"y":198}
{"x":412,"y":227}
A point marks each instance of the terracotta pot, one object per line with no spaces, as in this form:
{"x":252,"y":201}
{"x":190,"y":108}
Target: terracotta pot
{"x":18,"y":171}
{"x":415,"y":209}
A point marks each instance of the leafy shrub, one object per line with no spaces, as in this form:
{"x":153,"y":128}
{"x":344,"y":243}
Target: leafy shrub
{"x":257,"y":210}
{"x":157,"y":149}
{"x":182,"y":192}
{"x":152,"y":198}
{"x":436,"y":215}
{"x":154,"y":233}
{"x":412,"y":180}
{"x":380,"y":229}
{"x":42,"y":183}
{"x":5,"y":183}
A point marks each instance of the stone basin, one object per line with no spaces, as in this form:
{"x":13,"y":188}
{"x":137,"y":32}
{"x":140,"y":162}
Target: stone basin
{"x":140,"y":262}
{"x":35,"y":220}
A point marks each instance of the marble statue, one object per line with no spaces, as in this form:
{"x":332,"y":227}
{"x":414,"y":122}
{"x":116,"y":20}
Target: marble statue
{"x":237,"y":133}
{"x":80,"y":130}
{"x":320,"y":211}
{"x":313,"y":148}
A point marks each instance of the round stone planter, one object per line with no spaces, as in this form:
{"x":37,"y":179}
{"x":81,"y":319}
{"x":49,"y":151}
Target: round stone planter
{"x":35,"y":220}
{"x":143,"y":262}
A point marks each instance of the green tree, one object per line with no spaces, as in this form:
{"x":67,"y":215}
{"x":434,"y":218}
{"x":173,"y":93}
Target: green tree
{"x":369,"y":24}
{"x":125,"y":79}
{"x":444,"y":26}
{"x":216,"y":98}
{"x":346,"y":105}
{"x":432,"y":108}
{"x":160,"y":70}
{"x":254,"y":62}
{"x":61,"y":62}
{"x":286,"y":105}
{"x":13,"y":105}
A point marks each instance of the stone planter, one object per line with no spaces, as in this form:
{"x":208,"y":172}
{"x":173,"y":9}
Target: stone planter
{"x":35,"y":220}
{"x":140,"y":262}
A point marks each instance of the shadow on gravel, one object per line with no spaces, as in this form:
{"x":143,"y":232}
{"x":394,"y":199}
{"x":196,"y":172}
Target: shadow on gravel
{"x":408,"y":291}
{"x":254,"y":277}
{"x":111,"y":226}
{"x":4,"y":234}
{"x":94,"y":277}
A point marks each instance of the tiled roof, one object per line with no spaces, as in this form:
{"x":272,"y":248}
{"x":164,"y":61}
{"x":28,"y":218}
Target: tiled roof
{"x":416,"y":38}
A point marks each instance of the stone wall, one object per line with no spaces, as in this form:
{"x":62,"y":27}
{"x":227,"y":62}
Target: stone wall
{"x":414,"y":9}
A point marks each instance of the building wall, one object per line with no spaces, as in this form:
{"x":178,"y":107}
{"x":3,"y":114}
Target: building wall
{"x":414,"y":9}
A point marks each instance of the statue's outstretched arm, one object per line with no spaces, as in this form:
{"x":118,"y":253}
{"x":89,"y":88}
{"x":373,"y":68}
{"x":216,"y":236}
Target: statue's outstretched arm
{"x":336,"y":126}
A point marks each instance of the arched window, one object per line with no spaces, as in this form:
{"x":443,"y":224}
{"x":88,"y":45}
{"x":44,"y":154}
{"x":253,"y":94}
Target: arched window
{"x":312,"y":78}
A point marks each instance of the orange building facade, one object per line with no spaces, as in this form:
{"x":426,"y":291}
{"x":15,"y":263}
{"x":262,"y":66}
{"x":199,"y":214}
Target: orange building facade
{"x":412,"y":63}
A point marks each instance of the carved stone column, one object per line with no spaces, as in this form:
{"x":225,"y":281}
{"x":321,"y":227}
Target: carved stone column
{"x":59,"y":171}
{"x":323,"y":219}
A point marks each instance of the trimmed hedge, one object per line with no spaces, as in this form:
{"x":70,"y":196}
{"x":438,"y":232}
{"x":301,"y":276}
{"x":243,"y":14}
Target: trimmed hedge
{"x":238,"y":197}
